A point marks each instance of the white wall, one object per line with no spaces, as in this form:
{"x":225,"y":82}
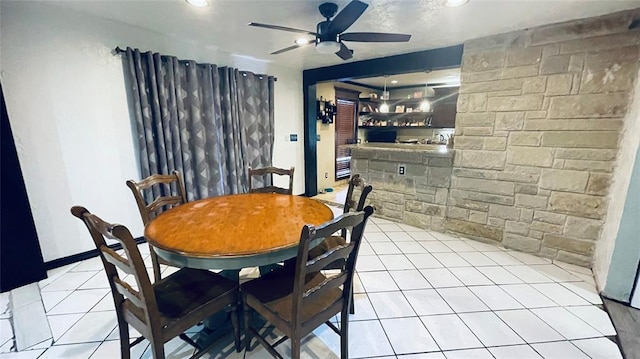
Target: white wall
{"x":67,"y":103}
{"x":618,"y":190}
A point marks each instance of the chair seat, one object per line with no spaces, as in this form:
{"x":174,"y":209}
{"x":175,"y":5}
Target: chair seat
{"x":274,"y":291}
{"x":186,"y":291}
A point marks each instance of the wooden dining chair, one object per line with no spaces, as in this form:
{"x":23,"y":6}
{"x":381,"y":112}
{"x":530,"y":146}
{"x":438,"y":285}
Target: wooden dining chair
{"x":297,"y":300}
{"x":156,"y":194}
{"x":165,"y":309}
{"x":270,"y":171}
{"x":356,"y":186}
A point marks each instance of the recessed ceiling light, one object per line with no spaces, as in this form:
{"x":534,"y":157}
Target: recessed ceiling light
{"x":394,"y":81}
{"x":302,"y":41}
{"x":198,"y":3}
{"x":454,"y":3}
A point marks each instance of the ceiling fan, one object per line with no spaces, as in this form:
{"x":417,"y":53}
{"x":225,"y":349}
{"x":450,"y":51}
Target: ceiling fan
{"x":329,"y":35}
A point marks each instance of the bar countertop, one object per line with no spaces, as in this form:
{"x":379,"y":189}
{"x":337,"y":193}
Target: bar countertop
{"x":431,"y":150}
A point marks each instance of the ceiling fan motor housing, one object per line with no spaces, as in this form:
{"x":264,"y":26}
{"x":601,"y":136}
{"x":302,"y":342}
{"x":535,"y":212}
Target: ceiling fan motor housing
{"x":328,"y":10}
{"x":323,"y":32}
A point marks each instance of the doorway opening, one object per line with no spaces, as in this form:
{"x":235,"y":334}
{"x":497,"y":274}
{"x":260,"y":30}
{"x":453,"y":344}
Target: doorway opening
{"x":316,"y":84}
{"x":345,"y":130}
{"x":345,"y":133}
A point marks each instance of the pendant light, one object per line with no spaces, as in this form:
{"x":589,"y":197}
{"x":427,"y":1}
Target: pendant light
{"x":425,"y":106}
{"x":384,"y":108}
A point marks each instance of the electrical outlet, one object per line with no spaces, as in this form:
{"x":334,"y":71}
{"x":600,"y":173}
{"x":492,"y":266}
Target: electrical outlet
{"x":318,"y":138}
{"x":293,"y":137}
{"x":401,"y":170}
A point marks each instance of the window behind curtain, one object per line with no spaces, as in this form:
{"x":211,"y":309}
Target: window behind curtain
{"x":345,"y":125}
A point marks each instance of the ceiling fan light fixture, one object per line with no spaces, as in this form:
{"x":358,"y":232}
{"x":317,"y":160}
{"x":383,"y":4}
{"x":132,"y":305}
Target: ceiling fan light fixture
{"x":302,"y":41}
{"x":454,"y":3}
{"x":198,"y":3}
{"x":328,"y":47}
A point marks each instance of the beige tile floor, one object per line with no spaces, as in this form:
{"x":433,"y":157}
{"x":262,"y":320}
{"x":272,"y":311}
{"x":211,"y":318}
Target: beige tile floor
{"x":337,"y":197}
{"x":418,"y":295}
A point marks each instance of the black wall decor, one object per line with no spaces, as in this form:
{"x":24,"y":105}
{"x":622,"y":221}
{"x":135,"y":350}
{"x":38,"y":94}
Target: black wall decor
{"x":326,"y":111}
{"x":20,"y":257}
{"x":436,"y":59}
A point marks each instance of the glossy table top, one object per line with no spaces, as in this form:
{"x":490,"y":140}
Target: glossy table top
{"x":236,"y":231}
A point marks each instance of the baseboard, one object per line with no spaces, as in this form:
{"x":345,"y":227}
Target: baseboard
{"x":74,"y":258}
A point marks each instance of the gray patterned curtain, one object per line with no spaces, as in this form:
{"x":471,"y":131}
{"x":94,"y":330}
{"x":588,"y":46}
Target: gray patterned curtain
{"x":208,"y":122}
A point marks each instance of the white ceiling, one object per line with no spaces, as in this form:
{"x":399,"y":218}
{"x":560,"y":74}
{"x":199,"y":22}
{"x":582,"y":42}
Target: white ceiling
{"x":223,"y":24}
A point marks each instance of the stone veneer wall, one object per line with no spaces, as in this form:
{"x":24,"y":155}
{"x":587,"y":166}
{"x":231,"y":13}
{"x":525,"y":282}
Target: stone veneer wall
{"x":419,"y":197}
{"x":537,"y":132}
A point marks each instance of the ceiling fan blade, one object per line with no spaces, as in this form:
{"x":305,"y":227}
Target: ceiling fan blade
{"x":374,"y":37}
{"x":291,"y":48}
{"x":282,"y":28}
{"x":344,"y":52}
{"x":347,"y":16}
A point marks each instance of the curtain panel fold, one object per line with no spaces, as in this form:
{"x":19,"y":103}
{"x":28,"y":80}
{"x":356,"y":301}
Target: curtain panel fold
{"x":208,"y":122}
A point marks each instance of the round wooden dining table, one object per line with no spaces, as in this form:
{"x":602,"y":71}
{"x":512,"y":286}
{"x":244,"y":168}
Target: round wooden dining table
{"x":234,"y":231}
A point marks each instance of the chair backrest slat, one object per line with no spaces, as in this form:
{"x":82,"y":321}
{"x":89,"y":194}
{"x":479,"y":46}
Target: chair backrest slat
{"x":356,"y":223}
{"x":114,"y":258}
{"x":330,"y":283}
{"x":270,"y":171}
{"x":128,"y":292}
{"x":332,"y":255}
{"x":157,"y":179}
{"x":167,"y":202}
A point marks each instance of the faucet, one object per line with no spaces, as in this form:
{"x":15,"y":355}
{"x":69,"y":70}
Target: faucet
{"x":442,"y":138}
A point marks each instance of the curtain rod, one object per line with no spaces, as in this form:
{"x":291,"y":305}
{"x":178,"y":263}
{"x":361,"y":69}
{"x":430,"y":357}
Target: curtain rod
{"x":119,"y":51}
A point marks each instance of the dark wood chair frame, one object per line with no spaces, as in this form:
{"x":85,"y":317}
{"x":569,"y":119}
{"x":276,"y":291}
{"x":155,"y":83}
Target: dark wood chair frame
{"x":140,"y":308}
{"x":271,"y":171}
{"x":149,"y":211}
{"x":308,"y":298}
{"x":350,"y":204}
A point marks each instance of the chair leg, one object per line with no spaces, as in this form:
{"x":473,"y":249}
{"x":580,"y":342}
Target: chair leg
{"x":295,"y":346}
{"x":156,"y":265}
{"x":157,"y":349}
{"x":344,"y":336}
{"x":125,"y":348}
{"x":247,"y":329}
{"x":352,"y":306}
{"x":236,"y":327}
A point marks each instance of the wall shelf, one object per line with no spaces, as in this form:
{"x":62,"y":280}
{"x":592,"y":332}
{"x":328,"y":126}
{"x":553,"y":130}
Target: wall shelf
{"x":398,"y":127}
{"x":441,"y":115}
{"x":393,"y":114}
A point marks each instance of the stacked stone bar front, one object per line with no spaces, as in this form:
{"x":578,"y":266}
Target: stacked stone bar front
{"x":419,"y":197}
